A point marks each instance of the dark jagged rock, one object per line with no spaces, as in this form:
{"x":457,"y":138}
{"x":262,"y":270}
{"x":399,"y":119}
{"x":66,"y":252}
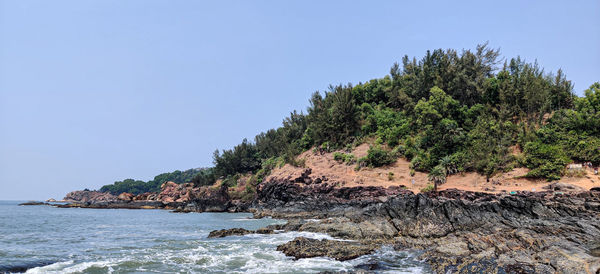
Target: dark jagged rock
{"x":302,"y":247}
{"x":22,"y":267}
{"x":238,"y":232}
{"x":228,"y":232}
{"x":290,"y":196}
{"x":460,"y":231}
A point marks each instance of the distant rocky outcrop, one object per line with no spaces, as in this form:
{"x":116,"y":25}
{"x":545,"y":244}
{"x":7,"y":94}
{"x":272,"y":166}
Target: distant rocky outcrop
{"x":34,"y":203}
{"x":179,"y":197}
{"x":84,"y":196}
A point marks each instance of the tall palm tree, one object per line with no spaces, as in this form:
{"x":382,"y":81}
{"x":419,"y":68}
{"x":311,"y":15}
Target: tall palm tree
{"x":437,"y":176}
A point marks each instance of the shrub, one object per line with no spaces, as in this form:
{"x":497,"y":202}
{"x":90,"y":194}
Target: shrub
{"x":545,"y":161}
{"x":428,"y":188}
{"x":417,"y":163}
{"x":248,"y":194}
{"x":338,"y":156}
{"x":577,"y":173}
{"x":231,"y":181}
{"x":377,"y":156}
{"x":361,"y":162}
{"x":326,"y":147}
{"x":398,"y":151}
{"x":390,"y":176}
{"x":347,"y":158}
{"x":297,"y":162}
{"x":267,"y":165}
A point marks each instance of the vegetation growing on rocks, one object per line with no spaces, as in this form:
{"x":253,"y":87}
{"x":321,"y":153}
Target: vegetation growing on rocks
{"x":200,"y":176}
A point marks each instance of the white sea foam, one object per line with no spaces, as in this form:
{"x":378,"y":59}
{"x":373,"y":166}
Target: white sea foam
{"x":50,"y":267}
{"x":123,"y":241}
{"x":71,"y":267}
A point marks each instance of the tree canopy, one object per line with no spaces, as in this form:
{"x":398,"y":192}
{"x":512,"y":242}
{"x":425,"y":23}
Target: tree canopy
{"x":469,"y":107}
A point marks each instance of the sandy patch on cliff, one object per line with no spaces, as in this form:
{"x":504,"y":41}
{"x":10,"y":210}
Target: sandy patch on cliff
{"x":348,"y":176}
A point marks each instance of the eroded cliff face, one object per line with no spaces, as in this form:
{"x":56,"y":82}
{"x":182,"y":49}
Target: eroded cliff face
{"x":539,"y":232}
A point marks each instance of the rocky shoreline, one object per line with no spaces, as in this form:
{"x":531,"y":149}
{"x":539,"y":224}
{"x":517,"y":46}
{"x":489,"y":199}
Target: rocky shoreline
{"x":554,"y":231}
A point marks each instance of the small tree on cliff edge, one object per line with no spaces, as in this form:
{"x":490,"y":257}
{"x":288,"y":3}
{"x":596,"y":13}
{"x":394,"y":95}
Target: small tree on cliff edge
{"x":437,"y":176}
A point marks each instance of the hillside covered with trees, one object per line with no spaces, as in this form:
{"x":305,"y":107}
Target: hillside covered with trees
{"x":447,"y":112}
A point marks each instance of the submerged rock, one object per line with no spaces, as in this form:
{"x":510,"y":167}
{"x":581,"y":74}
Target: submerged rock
{"x":302,"y":247}
{"x":32,"y":203}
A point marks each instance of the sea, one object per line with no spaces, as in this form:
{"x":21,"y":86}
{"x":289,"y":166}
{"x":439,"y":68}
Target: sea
{"x":45,"y":239}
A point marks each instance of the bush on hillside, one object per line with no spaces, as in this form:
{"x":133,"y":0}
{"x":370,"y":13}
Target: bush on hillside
{"x":545,"y":161}
{"x":377,"y":156}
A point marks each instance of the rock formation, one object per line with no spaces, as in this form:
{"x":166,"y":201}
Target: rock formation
{"x":540,"y":232}
{"x":302,"y":247}
{"x":84,"y":196}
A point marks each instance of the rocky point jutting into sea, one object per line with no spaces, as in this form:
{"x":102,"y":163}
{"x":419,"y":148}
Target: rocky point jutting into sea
{"x":556,"y":230}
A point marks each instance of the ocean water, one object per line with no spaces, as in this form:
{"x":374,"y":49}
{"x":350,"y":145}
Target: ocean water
{"x":43,"y":239}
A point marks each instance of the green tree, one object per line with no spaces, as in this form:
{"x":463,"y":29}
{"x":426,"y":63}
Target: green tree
{"x":545,"y":161}
{"x":437,"y":176}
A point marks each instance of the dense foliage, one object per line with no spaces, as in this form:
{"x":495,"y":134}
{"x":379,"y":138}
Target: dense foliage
{"x":198,"y":176}
{"x":465,"y":110}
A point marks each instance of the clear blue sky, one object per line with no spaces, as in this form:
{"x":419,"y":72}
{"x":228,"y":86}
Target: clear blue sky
{"x":97,"y":91}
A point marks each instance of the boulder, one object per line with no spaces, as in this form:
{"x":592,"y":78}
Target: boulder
{"x":238,"y":232}
{"x":171,"y":192}
{"x":302,"y":247}
{"x":228,"y":232}
{"x":143,"y":196}
{"x":563,"y":187}
{"x":86,"y":196}
{"x":125,"y":196}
